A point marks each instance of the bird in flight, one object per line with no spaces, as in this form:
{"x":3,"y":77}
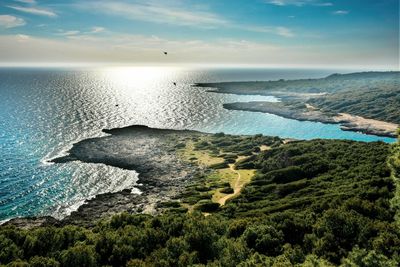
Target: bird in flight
{"x":165,"y":53}
{"x":174,"y":83}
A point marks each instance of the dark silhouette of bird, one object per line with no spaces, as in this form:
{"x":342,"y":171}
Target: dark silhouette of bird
{"x":116,"y":105}
{"x":174,"y":83}
{"x":165,"y":53}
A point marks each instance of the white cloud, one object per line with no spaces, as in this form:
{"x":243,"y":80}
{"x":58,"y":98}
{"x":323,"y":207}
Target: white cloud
{"x":68,"y":33}
{"x":35,"y":10}
{"x":323,"y":4}
{"x":282,"y":31}
{"x":157,"y":13}
{"x":340,"y":12}
{"x":298,"y":3}
{"x":78,"y":35}
{"x":22,"y":37}
{"x":127,"y":48}
{"x":26,"y":1}
{"x":137,"y":49}
{"x":97,"y":29}
{"x":8,"y":21}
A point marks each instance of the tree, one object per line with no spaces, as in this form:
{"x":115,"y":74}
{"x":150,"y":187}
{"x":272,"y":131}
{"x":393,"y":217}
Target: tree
{"x":264,"y":239}
{"x":38,"y":261}
{"x":79,"y":255}
{"x":362,"y":258}
{"x":9,"y":251}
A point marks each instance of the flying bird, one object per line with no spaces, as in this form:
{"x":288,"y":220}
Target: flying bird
{"x":174,"y":83}
{"x":165,"y":53}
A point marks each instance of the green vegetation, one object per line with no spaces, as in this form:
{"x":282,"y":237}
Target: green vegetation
{"x":394,"y":163}
{"x":374,"y":95}
{"x":382,"y":103}
{"x":327,"y":196}
{"x":311,"y":203}
{"x":331,"y":84}
{"x":218,"y":152}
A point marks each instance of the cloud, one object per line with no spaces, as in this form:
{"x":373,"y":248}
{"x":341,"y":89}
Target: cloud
{"x":97,"y":29}
{"x":35,"y":10}
{"x":22,"y":37}
{"x":340,"y":12}
{"x":26,"y":1}
{"x":126,"y":48}
{"x":8,"y":21}
{"x":75,"y":34}
{"x":136,"y":49}
{"x":153,"y":12}
{"x":68,"y":33}
{"x":159,"y":12}
{"x":282,"y":31}
{"x":298,"y":3}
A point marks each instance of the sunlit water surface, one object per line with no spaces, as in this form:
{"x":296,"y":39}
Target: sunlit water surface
{"x":43,"y":112}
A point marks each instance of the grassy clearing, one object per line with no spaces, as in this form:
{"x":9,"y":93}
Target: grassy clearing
{"x":219,"y":185}
{"x":201,"y":157}
{"x":237,"y":179}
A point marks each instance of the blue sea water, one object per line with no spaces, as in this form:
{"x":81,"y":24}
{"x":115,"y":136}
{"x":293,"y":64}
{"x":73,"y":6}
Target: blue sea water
{"x":44,"y":111}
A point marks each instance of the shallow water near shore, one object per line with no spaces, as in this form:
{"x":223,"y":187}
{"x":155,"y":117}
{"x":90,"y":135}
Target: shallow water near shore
{"x":43,"y":112}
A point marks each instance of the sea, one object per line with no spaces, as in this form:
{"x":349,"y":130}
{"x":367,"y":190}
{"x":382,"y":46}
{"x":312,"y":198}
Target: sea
{"x":43,"y":111}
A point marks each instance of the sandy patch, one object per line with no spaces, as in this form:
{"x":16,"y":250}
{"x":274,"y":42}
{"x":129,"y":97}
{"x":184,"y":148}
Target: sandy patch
{"x":361,"y":122}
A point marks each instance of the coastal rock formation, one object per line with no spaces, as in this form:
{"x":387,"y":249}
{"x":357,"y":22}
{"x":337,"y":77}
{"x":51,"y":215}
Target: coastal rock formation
{"x":150,"y":152}
{"x":309,"y":113}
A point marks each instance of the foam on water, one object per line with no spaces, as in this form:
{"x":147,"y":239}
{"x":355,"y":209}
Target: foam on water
{"x":43,"y":112}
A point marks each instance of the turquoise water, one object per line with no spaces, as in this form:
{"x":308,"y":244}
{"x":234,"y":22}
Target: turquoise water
{"x":43,"y":112}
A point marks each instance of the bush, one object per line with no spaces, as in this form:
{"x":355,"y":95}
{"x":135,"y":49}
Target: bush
{"x":38,"y":261}
{"x":9,"y":251}
{"x":80,"y":255}
{"x":362,"y":258}
{"x":180,"y":145}
{"x":264,"y":239}
{"x":227,"y":190}
{"x":222,"y":165}
{"x":207,"y":206}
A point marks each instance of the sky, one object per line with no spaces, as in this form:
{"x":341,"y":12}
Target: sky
{"x":325,"y":33}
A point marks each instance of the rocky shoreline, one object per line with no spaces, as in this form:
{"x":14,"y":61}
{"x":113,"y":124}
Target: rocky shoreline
{"x":151,"y":152}
{"x":308,"y":113}
{"x":297,"y":95}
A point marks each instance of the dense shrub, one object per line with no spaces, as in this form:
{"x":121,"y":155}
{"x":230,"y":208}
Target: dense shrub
{"x":311,"y":203}
{"x":227,"y":190}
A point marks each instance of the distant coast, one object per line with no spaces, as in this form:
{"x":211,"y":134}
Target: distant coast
{"x":347,"y":122}
{"x":367,"y":102}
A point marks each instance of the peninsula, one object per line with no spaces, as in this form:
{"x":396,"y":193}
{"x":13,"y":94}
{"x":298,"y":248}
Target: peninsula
{"x":366,"y":102}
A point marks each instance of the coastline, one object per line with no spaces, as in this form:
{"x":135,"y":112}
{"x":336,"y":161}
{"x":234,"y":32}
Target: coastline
{"x":347,"y":122}
{"x":322,"y":100}
{"x":170,"y":164}
{"x":151,"y":152}
{"x":165,"y":176}
{"x":111,"y":203}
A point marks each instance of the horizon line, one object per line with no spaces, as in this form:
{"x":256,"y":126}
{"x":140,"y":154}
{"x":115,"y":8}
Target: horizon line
{"x":193,"y":65}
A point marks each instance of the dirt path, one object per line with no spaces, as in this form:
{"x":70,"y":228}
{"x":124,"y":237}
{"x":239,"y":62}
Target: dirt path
{"x":236,"y":188}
